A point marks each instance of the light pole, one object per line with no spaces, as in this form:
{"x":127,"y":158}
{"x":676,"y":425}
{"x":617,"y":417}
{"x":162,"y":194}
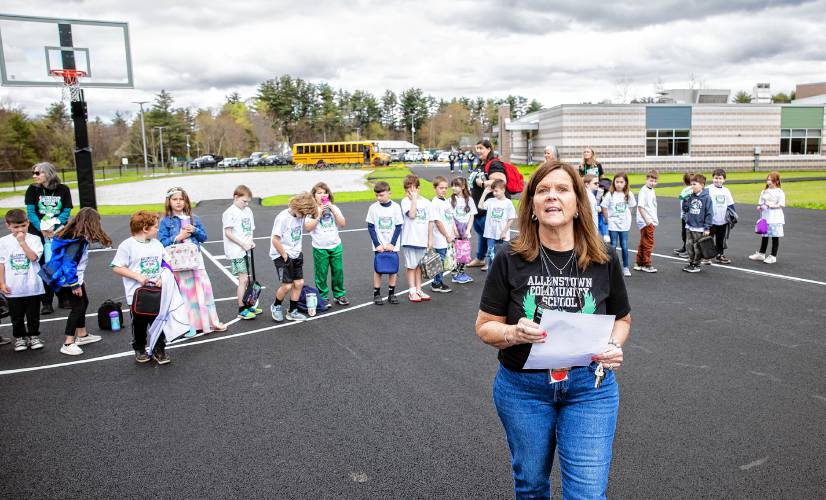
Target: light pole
{"x":412,"y":131}
{"x":160,"y":130}
{"x":187,"y":148}
{"x":143,"y":135}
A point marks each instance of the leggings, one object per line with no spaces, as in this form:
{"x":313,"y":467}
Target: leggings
{"x":719,"y":233}
{"x":764,"y":244}
{"x":77,"y":316}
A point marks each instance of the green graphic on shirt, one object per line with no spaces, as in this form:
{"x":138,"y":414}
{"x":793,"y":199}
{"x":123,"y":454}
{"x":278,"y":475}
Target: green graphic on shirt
{"x":529,"y":305}
{"x":49,"y":206}
{"x":385,"y":223}
{"x":149,"y":266}
{"x":497,"y":213}
{"x":720,"y":199}
{"x":295,"y":233}
{"x":421,"y":214}
{"x":589,"y":306}
{"x":326,"y":220}
{"x":19,"y":263}
{"x":246,"y":226}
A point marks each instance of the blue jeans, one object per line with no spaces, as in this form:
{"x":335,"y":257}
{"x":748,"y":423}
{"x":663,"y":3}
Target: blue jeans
{"x":603,"y":226}
{"x":493,"y":246}
{"x":482,"y":242}
{"x":621,"y":238}
{"x":571,"y":417}
{"x":437,"y":280}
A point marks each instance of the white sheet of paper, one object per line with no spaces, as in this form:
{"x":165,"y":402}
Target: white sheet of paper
{"x":572,"y":339}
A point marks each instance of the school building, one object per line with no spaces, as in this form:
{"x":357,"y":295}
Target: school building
{"x":672,"y":137}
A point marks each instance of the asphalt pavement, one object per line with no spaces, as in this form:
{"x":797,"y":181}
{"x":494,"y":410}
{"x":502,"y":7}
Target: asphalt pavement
{"x":720,"y":392}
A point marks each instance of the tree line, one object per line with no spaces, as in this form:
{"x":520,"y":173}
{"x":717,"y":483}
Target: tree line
{"x":283,"y":111}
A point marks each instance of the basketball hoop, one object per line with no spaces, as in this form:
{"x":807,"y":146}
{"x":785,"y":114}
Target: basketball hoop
{"x":71,"y":82}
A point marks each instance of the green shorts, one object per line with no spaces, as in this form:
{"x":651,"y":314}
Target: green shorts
{"x":238,"y":266}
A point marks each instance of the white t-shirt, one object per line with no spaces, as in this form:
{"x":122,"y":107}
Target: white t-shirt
{"x":325,"y":235}
{"x":442,"y":211}
{"x":499,"y":214}
{"x":773,"y":215}
{"x":142,"y":257}
{"x":414,"y":232}
{"x":289,"y":228}
{"x":385,"y":220}
{"x":619,"y":211}
{"x":242,"y":224}
{"x":459,"y":213}
{"x":594,"y":207}
{"x":648,"y":202}
{"x":721,"y":198}
{"x":21,"y":273}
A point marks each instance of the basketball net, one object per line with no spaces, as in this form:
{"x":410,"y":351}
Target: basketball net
{"x":71,"y":83}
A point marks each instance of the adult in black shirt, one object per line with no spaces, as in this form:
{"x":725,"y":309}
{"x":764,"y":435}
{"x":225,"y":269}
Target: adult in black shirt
{"x":48,"y":205}
{"x":478,"y":179}
{"x":590,"y":165}
{"x":560,"y":262}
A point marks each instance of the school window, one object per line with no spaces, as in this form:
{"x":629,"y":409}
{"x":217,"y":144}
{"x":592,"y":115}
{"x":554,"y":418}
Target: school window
{"x":800,"y":141}
{"x":349,"y":148}
{"x":667,"y":142}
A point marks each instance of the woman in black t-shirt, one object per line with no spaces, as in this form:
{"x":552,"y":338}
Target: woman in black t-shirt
{"x":484,"y":175}
{"x":48,"y":205}
{"x":590,"y":165}
{"x":558,"y":262}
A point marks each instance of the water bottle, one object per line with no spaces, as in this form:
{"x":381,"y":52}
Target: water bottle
{"x":312,"y":303}
{"x":114,"y":320}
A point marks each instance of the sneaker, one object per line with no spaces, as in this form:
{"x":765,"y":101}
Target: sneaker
{"x":722,"y":259}
{"x":71,"y":349}
{"x":692,"y":268}
{"x":705,"y":262}
{"x":678,"y":251}
{"x":46,"y":309}
{"x":466,"y":278}
{"x":88,"y":339}
{"x":440,"y":288}
{"x":255,"y":310}
{"x":296,"y":315}
{"x":35,"y":343}
{"x":683,"y":255}
{"x":425,"y":297}
{"x":392,"y":299}
{"x":771,"y":259}
{"x":626,"y":272}
{"x":161,"y":358}
{"x":758,"y":256}
{"x":413,"y":297}
{"x":377,"y":300}
{"x":342,"y":301}
{"x":4,"y":340}
{"x":191,"y":333}
{"x":638,"y":267}
{"x":649,"y":269}
{"x":246,"y":314}
{"x":21,"y":344}
{"x":277,"y":313}
{"x":141,"y":357}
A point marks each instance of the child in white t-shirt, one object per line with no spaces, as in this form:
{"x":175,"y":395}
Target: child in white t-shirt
{"x":464,"y":210}
{"x":647,"y":222}
{"x":616,"y":208}
{"x":417,"y":235}
{"x":721,"y":203}
{"x":384,"y":224}
{"x":501,"y":215}
{"x":19,"y":264}
{"x":327,"y":250}
{"x":444,"y":231}
{"x":770,"y":205}
{"x":238,"y":225}
{"x":138,"y":261}
{"x":286,"y":255}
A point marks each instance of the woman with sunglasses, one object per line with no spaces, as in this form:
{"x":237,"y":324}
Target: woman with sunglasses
{"x":48,"y":205}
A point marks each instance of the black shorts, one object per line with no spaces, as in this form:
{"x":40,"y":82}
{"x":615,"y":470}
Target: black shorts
{"x":289,"y":271}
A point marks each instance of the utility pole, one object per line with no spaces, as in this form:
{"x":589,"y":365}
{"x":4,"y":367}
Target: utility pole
{"x":160,"y":129}
{"x":188,"y":158}
{"x":412,"y":131}
{"x":143,"y":134}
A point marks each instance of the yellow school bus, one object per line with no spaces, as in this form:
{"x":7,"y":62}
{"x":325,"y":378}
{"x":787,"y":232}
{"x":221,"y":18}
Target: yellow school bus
{"x":339,"y":153}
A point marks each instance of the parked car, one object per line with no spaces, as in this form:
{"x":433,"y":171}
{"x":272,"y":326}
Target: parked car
{"x":229,"y":161}
{"x":206,"y":161}
{"x":413,"y":156}
{"x":243,"y":162}
{"x":443,"y":156}
{"x":396,"y":157}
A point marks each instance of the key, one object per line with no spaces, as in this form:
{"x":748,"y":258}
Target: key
{"x":599,"y":374}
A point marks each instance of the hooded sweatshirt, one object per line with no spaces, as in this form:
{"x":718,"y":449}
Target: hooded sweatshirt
{"x":698,"y":210}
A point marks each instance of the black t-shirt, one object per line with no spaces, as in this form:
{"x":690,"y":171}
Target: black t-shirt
{"x":595,"y":169}
{"x":476,"y":191}
{"x":47,"y":202}
{"x":514,"y":288}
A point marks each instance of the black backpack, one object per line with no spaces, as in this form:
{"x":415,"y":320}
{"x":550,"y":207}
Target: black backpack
{"x":104,"y":321}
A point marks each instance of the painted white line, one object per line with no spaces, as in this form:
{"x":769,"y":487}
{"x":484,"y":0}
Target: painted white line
{"x":219,"y":265}
{"x":190,"y":343}
{"x":304,"y":234}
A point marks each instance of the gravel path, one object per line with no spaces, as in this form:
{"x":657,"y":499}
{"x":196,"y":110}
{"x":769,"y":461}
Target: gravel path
{"x":219,"y":186}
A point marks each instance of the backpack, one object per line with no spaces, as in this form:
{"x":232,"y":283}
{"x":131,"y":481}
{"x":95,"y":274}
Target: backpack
{"x":515,"y":183}
{"x":322,"y":306}
{"x":104,"y":321}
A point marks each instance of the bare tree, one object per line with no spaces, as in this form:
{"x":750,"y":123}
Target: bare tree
{"x":622,"y":88}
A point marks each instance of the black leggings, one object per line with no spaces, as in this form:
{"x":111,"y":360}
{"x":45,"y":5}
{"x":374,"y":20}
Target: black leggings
{"x":77,"y":316}
{"x":719,"y":233}
{"x":764,"y":244}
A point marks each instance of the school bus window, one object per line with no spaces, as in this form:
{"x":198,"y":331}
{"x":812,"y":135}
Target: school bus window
{"x":300,"y":150}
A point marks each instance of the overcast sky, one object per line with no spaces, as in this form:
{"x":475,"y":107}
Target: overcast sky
{"x":554,"y":51}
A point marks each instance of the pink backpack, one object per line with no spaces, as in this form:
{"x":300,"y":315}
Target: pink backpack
{"x":462,"y":249}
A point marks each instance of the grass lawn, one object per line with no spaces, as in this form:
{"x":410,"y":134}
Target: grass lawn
{"x":798,"y":194}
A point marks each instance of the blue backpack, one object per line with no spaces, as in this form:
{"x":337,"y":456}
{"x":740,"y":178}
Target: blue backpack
{"x":322,"y":305}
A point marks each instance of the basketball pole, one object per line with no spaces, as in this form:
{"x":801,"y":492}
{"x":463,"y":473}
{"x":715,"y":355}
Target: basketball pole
{"x":83,"y":153}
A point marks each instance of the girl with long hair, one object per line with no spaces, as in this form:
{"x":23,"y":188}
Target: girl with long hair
{"x":616,"y":208}
{"x":464,"y":211}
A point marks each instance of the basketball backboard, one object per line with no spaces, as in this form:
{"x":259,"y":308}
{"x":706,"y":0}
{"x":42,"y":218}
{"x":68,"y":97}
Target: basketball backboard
{"x":33,"y":48}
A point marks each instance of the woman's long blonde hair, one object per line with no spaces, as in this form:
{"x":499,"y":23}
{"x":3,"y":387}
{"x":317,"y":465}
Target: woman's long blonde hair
{"x":588,"y":244}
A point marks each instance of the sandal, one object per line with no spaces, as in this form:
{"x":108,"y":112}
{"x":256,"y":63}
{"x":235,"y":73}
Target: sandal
{"x":414,"y":297}
{"x":423,"y":295}
{"x":220,"y":327}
